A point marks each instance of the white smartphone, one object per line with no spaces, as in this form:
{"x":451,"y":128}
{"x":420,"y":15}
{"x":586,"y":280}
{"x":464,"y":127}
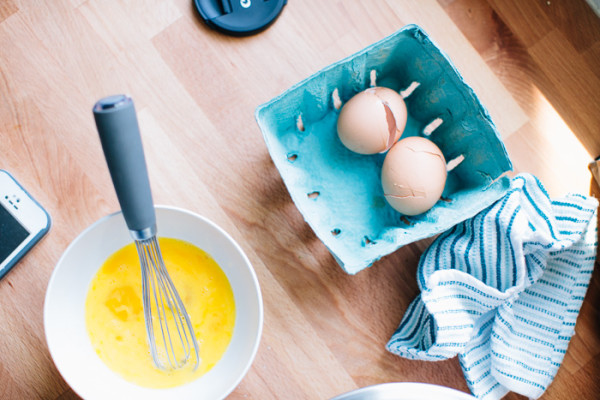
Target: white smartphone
{"x":23,"y":222}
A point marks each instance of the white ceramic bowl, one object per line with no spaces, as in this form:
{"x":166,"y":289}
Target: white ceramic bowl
{"x":405,"y":391}
{"x":64,"y":309}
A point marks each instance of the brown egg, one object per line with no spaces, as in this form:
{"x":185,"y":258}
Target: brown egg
{"x":372,"y":120}
{"x":413,"y":175}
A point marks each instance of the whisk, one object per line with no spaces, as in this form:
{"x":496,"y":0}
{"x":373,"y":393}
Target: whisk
{"x":170,"y":333}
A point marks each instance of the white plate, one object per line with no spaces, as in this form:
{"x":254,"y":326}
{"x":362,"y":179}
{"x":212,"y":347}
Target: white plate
{"x":64,"y":309}
{"x":404,"y":391}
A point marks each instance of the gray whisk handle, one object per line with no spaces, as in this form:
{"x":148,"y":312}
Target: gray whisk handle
{"x":122,"y":145}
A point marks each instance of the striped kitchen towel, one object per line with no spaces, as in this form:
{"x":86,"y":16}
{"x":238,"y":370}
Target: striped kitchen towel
{"x":503,"y":290}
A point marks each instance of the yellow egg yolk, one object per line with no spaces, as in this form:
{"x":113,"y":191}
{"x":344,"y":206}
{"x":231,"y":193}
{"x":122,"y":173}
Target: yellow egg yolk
{"x":115,"y":316}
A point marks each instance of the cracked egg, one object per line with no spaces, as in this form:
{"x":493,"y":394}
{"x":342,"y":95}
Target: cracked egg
{"x":372,"y":120}
{"x":413,"y":175}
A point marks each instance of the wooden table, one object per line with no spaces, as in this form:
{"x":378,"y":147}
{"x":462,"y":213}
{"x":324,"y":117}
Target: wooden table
{"x":533,"y":63}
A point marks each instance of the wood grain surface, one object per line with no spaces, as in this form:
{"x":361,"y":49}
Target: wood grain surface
{"x":534,"y":64}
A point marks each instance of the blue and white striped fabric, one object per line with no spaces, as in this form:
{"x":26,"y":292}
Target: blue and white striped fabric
{"x":503,"y":290}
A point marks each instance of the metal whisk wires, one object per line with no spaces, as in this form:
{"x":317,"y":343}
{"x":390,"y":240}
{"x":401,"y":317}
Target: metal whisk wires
{"x":164,"y":312}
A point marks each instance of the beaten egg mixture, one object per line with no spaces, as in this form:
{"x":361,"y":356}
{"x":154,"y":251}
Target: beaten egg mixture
{"x":115,"y":316}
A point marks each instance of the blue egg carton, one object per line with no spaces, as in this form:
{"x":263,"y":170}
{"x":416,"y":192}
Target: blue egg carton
{"x":339,"y":192}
